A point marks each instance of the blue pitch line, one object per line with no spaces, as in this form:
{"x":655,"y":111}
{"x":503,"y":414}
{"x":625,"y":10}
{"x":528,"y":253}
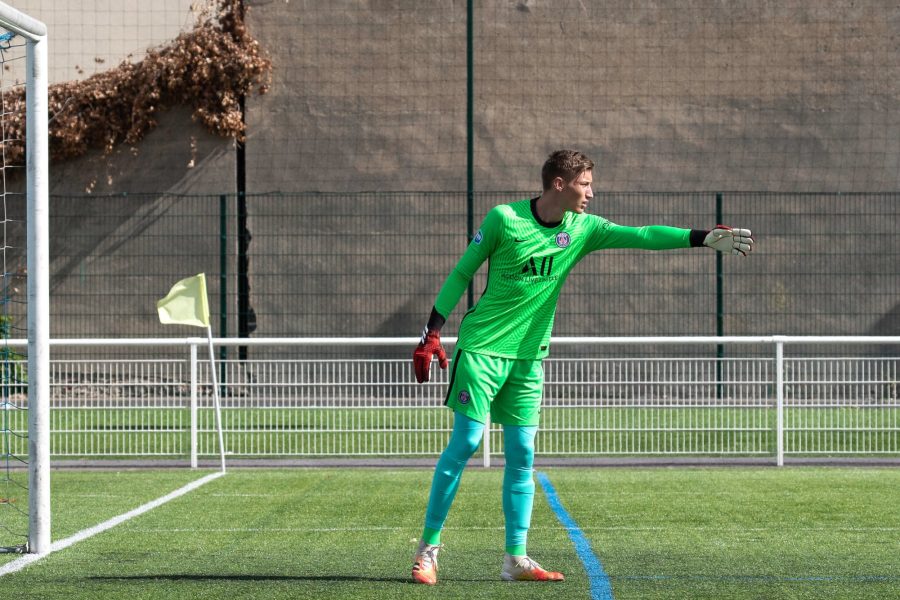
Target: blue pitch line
{"x":601,"y":589}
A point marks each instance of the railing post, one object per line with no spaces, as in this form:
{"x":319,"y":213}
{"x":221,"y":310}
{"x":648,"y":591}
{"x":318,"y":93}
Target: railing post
{"x":779,"y":401}
{"x":486,"y":442}
{"x":194,"y":405}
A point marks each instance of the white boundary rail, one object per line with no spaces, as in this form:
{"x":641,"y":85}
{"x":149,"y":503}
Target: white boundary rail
{"x":664,"y":404}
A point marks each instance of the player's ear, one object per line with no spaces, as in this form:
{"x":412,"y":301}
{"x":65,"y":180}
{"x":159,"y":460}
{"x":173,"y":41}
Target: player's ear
{"x":559,"y":184}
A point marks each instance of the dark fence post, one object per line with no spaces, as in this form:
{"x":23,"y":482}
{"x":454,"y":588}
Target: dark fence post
{"x":470,"y":135}
{"x":223,"y":280}
{"x":720,"y":304}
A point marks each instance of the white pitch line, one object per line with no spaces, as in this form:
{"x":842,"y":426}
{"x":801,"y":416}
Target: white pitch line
{"x":302,"y":529}
{"x":651,"y":529}
{"x":93,"y":495}
{"x":626,"y":529}
{"x":21,"y":563}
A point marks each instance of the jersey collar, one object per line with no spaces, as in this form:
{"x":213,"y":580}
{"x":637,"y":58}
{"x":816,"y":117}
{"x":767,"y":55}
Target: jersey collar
{"x":540,"y":221}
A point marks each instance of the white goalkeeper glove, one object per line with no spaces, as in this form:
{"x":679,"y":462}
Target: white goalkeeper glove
{"x":728,"y":240}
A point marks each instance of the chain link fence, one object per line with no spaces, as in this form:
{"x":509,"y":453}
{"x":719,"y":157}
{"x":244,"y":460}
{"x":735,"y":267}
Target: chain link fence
{"x":371,"y":264}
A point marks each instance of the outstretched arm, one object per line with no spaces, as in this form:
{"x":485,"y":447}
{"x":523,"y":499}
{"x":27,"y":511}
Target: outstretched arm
{"x":663,"y":237}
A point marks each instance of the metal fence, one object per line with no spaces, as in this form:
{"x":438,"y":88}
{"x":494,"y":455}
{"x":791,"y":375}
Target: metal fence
{"x":371,"y":264}
{"x":790,"y":402}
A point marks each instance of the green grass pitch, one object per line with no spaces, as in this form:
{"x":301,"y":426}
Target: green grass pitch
{"x":794,"y":532}
{"x":423,"y":432}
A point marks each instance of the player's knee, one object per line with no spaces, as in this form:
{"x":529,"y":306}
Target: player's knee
{"x":519,"y":447}
{"x":522,"y":461}
{"x":465,"y":439}
{"x":461,"y":451}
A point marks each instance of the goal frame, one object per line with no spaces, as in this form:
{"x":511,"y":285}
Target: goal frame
{"x":38,"y":277}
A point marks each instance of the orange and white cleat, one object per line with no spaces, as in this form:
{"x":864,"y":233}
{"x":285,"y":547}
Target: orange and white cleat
{"x":425,"y":564}
{"x":523,"y":568}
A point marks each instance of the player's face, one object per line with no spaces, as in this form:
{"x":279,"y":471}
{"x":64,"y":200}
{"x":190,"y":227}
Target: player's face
{"x":578,"y":193}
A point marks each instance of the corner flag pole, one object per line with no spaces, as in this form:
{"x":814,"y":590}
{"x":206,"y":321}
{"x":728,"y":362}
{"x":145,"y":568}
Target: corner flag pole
{"x":216,"y":404}
{"x":187,"y":304}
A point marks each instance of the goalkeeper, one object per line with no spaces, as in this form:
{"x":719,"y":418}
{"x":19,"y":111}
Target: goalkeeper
{"x":531,"y":246}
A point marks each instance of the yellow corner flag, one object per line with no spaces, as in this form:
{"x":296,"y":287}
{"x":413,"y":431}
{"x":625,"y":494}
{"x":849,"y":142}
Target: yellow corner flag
{"x":186,"y":303}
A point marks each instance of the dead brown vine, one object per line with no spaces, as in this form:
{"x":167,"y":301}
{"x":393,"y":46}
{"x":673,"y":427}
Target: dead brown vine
{"x":208,"y":68}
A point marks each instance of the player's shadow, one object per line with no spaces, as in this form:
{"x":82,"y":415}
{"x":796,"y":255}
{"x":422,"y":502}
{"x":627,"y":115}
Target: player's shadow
{"x":211,"y":577}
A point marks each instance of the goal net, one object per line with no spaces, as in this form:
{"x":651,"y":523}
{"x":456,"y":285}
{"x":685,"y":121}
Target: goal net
{"x":24,"y":371}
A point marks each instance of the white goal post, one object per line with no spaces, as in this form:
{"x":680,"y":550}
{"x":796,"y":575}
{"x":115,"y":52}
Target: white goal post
{"x":38,"y":276}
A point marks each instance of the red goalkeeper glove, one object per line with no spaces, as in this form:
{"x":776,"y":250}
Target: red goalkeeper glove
{"x":429,"y":346}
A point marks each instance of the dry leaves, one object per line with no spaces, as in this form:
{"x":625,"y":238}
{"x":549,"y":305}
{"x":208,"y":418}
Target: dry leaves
{"x":209,"y":68}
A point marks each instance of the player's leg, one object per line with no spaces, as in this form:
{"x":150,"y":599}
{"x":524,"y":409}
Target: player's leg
{"x":472,"y":387}
{"x":518,"y":485}
{"x":464,"y":440}
{"x":518,"y":407}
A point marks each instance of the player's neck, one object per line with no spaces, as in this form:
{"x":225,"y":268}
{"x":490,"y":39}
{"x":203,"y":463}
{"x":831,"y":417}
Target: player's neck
{"x":548,"y":210}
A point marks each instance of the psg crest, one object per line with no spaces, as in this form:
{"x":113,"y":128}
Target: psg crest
{"x":563,"y":239}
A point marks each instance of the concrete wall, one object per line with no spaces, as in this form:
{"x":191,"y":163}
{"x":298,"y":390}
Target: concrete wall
{"x":371,"y":96}
{"x":697,"y":95}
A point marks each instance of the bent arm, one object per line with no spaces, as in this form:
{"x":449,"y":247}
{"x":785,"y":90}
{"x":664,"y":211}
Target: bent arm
{"x":478,"y":251}
{"x":455,"y":286}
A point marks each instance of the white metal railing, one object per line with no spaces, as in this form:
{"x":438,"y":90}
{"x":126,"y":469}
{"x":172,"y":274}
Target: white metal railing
{"x":764,"y":404}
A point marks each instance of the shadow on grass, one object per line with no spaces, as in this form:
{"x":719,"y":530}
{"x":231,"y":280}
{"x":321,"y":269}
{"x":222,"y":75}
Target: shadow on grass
{"x":202,"y":577}
{"x":763,"y":578}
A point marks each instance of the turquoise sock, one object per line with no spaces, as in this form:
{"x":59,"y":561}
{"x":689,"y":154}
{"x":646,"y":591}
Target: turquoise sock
{"x":464,"y":440}
{"x":432,"y":537}
{"x":518,"y":485}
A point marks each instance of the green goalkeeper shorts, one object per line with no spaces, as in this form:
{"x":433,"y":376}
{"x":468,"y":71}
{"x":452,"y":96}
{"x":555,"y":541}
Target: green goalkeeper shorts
{"x":508,"y":389}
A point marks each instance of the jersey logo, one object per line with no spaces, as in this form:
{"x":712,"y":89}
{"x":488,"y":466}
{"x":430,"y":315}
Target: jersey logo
{"x":532,"y":267}
{"x":464,"y":397}
{"x":563,"y":239}
{"x":478,"y":237}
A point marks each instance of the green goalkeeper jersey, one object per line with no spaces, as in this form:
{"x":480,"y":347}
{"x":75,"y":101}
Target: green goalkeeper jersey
{"x":528,"y":261}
